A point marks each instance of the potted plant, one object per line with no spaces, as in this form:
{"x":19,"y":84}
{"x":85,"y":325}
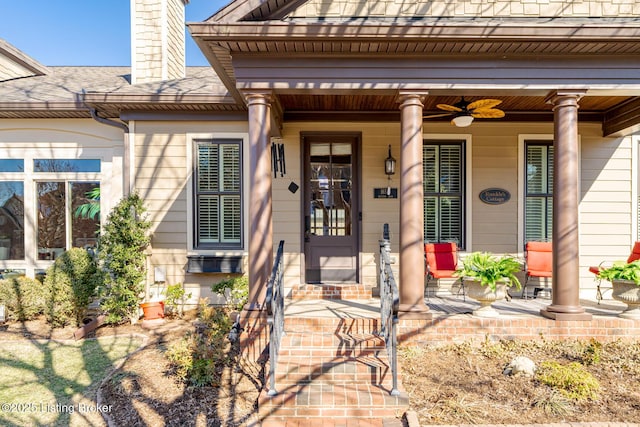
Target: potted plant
{"x":487,"y":277}
{"x":625,"y":282}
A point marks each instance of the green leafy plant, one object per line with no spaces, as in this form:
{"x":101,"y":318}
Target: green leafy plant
{"x":622,"y":271}
{"x":174,"y":298}
{"x":71,"y":283}
{"x":489,"y":269}
{"x":572,"y":380}
{"x":238,"y":290}
{"x":197,"y":359}
{"x":23,"y":297}
{"x":121,"y":249}
{"x":91,"y":209}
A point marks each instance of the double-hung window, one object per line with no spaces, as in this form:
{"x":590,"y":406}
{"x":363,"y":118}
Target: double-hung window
{"x":538,"y":219}
{"x":444,"y":192}
{"x":218,"y":193}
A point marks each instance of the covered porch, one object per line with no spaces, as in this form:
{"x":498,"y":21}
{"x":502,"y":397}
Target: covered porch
{"x":306,"y":73}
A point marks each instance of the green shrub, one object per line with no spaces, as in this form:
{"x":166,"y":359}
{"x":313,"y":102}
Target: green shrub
{"x":70,"y":285}
{"x":238,"y":288}
{"x":23,"y":297}
{"x":197,"y":359}
{"x":572,"y":380}
{"x":121,"y":248}
{"x":174,"y":298}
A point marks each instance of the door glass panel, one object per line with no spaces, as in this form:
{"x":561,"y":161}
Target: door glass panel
{"x":330,"y":179}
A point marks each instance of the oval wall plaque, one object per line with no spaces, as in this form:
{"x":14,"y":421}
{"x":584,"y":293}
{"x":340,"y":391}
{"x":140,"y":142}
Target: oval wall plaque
{"x":495,"y":196}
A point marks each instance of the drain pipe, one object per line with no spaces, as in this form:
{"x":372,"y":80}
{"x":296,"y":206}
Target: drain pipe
{"x":128,"y":155}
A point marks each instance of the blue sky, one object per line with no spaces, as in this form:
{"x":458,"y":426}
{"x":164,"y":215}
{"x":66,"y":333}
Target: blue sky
{"x":83,"y":32}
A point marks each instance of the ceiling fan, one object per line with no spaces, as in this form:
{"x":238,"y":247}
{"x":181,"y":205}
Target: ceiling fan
{"x":464,"y":111}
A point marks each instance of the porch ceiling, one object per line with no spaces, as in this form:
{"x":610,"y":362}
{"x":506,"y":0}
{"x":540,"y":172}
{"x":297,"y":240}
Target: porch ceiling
{"x":511,"y":60}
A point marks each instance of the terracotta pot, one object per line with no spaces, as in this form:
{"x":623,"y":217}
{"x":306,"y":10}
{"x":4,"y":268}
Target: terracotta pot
{"x":485,"y":296}
{"x":629,"y":293}
{"x":153,"y":310}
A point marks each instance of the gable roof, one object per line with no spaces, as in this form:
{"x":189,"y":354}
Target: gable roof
{"x":15,"y":64}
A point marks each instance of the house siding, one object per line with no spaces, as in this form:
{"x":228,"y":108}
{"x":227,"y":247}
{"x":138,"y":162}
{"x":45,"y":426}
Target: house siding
{"x":163,"y":177}
{"x":467,"y":8}
{"x":606,"y":205}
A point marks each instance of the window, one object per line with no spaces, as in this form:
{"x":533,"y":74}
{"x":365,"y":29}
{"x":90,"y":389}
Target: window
{"x":66,"y":165}
{"x":11,"y":220}
{"x":443,"y":183}
{"x":61,"y":224}
{"x":218,"y":197}
{"x":538,"y":216}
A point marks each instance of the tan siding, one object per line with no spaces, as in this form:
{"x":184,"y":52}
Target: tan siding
{"x":606,"y":215}
{"x":494,"y":165}
{"x":466,"y":8}
{"x":162,"y":177}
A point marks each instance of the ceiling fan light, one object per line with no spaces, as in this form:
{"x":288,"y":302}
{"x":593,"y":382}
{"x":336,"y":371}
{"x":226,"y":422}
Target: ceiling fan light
{"x":462,"y":121}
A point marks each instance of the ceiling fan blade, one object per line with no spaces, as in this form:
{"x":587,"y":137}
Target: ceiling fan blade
{"x":433,"y":116}
{"x":483,"y":103}
{"x":447,"y":107}
{"x":487,"y":113}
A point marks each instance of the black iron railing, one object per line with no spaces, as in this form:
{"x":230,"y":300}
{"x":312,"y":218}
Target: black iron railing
{"x":275,"y":319}
{"x":389,"y":305}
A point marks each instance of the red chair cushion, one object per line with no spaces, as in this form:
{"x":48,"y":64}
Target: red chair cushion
{"x":440,"y":274}
{"x":442,"y":259}
{"x":635,"y":253}
{"x":539,"y":259}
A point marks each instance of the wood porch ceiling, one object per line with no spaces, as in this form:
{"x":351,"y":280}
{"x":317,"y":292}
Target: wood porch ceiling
{"x":518,"y":108}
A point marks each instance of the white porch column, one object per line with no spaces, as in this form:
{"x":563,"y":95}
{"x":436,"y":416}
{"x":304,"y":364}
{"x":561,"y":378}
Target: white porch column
{"x":566,"y":278}
{"x":260,"y":221}
{"x":411,"y":206}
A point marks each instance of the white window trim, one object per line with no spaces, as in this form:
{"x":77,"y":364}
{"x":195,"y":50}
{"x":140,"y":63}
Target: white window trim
{"x":38,"y":150}
{"x":191,"y":196}
{"x":544,"y":137}
{"x":468,"y":180}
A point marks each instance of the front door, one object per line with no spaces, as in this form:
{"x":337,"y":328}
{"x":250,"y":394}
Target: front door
{"x":331,"y":211}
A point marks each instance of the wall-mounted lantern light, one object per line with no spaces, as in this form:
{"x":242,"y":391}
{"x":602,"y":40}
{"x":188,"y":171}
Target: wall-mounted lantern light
{"x":389,"y":164}
{"x":389,"y":169}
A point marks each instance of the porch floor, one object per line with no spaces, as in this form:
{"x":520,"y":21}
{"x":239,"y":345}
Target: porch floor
{"x":441,"y":307}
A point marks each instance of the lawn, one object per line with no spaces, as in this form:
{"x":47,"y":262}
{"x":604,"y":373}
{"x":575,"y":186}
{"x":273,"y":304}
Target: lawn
{"x":50,"y":382}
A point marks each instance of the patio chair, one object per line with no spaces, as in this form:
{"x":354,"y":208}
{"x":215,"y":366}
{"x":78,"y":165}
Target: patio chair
{"x":442,"y":261}
{"x":635,"y":255}
{"x":538,"y":263}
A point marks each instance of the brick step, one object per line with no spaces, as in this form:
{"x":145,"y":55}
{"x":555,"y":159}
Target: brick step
{"x":332,"y":325}
{"x":340,"y":343}
{"x":342,"y":291}
{"x":364,"y":370}
{"x":324,"y":400}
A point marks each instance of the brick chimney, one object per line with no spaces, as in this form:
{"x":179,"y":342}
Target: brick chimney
{"x":157,"y":40}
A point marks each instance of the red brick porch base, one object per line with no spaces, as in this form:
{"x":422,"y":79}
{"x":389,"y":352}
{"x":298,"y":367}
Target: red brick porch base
{"x":456,"y":329}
